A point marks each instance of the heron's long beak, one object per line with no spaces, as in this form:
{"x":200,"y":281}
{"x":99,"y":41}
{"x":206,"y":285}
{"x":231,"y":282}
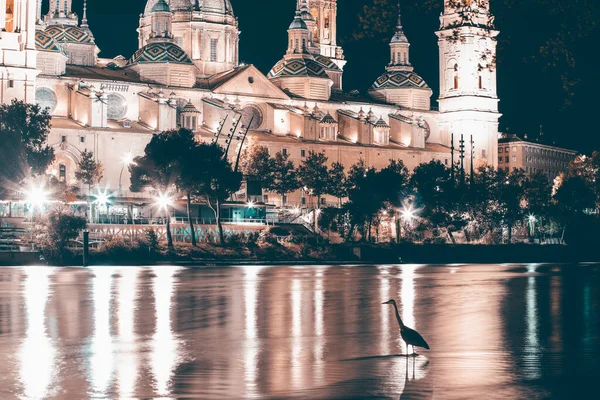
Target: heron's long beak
{"x":387,"y":302}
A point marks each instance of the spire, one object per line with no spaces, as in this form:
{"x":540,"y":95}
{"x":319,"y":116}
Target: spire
{"x":84,"y":21}
{"x":399,"y":47}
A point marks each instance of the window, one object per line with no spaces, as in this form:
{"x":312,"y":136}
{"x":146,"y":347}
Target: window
{"x":303,"y":44}
{"x":10,"y":16}
{"x":284,"y":199}
{"x":514,"y":149}
{"x":284,"y":152}
{"x":63,"y":139}
{"x":500,"y":159}
{"x":303,"y":201}
{"x":303,"y":153}
{"x":507,"y":149}
{"x":62,"y":172}
{"x":483,"y":154}
{"x":506,"y":159}
{"x":514,"y":158}
{"x":116,"y":106}
{"x":46,"y":99}
{"x":11,"y":83}
{"x":213,"y":49}
{"x":82,"y":139}
{"x":500,"y":150}
{"x":455,"y":76}
{"x":266,"y":198}
{"x":480,"y":82}
{"x":446,"y":161}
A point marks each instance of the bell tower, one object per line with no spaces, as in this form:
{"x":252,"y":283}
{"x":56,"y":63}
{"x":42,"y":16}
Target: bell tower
{"x":17,"y":50}
{"x":325,"y":30}
{"x":468,"y":99}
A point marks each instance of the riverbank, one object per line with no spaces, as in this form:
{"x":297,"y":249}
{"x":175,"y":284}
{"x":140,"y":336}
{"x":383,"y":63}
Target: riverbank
{"x":305,"y":254}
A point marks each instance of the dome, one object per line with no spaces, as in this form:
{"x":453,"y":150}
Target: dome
{"x":161,"y":6}
{"x":400,"y":79}
{"x":45,"y":42}
{"x":293,"y":67}
{"x":69,"y":34}
{"x":298,"y":22}
{"x":160,"y":52}
{"x":213,"y":6}
{"x":326,"y":63}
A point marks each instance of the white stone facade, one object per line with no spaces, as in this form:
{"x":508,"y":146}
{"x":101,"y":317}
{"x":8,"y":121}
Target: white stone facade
{"x":187,"y":73}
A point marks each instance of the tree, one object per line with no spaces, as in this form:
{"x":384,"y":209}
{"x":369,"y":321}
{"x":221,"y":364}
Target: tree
{"x":337,"y":185}
{"x":161,"y":165}
{"x":59,"y":229}
{"x":259,"y":165}
{"x":393,"y":185}
{"x":511,"y":198}
{"x":217,"y":181}
{"x":314,"y":175}
{"x":24,"y":130}
{"x":183,"y":151}
{"x":365,"y":199}
{"x":89,"y":171}
{"x":283,"y":178}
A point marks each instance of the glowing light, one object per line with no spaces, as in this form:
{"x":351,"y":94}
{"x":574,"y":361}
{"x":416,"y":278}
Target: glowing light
{"x":163,"y":201}
{"x":37,"y":196}
{"x":408,"y":213}
{"x":103,"y":197}
{"x":296,"y":210}
{"x":250,"y":204}
{"x":531,"y":218}
{"x":127,"y":159}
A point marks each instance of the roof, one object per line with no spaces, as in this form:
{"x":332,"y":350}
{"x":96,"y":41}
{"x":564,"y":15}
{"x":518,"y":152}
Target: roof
{"x":190,"y":108}
{"x":160,"y":52}
{"x":328,"y":119}
{"x":381,"y":123}
{"x":515,"y":139}
{"x":298,"y":22}
{"x":327,"y":63}
{"x":294,"y":67}
{"x":399,"y":79}
{"x":45,"y":42}
{"x":69,"y":34}
{"x":161,"y":6}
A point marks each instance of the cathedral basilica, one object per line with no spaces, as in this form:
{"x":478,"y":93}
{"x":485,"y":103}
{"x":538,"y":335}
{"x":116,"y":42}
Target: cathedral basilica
{"x":186,"y":73}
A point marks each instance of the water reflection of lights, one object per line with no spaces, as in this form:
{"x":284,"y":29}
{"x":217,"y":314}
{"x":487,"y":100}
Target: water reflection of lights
{"x":165,"y":347}
{"x":319,"y":326}
{"x":127,"y":366}
{"x":532,"y":353}
{"x":296,"y":333}
{"x":102,"y":362}
{"x":251,"y":290}
{"x":38,"y":353}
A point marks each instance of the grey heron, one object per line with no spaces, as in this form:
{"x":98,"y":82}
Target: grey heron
{"x":410,"y":336}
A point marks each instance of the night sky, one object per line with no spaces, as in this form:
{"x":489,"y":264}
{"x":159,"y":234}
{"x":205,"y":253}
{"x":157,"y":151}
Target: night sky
{"x":529,"y":96}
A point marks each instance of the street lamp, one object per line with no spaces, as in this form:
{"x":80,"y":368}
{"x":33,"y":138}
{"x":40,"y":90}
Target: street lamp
{"x":127,"y":160}
{"x":37,"y":196}
{"x":103,"y":199}
{"x":532,"y":220}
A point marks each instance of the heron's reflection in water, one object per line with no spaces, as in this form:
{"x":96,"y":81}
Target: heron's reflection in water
{"x":417,"y":381}
{"x":38,"y":354}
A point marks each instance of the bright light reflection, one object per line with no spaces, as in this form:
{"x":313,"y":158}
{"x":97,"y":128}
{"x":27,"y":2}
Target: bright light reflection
{"x":38,"y":354}
{"x":251,"y":291}
{"x":319,"y":303}
{"x":128,"y":360}
{"x":532,"y":353}
{"x":165,"y":347}
{"x":384,"y":295}
{"x":101,"y":361}
{"x":296,"y":333}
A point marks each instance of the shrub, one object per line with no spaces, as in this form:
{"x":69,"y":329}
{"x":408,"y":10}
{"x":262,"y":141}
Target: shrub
{"x":57,"y":230}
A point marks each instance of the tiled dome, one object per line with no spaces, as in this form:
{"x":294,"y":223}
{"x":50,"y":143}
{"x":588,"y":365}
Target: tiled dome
{"x":399,"y":79}
{"x":298,"y":67}
{"x":160,"y":52}
{"x":45,"y":42}
{"x":326,"y":63}
{"x":69,"y":34}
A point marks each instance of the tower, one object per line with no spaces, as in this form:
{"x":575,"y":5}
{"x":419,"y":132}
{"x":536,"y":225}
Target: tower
{"x":60,"y":13}
{"x":324,"y":32}
{"x":400,"y":84}
{"x":468,"y":99}
{"x":17,"y":50}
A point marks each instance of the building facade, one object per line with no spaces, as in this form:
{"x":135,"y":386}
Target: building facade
{"x":187,"y":73}
{"x":533,"y":157}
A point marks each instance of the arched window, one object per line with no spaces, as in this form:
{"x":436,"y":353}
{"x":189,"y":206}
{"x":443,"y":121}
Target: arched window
{"x":480,"y":76}
{"x":10,"y":16}
{"x":455,"y":76}
{"x":62,"y":173}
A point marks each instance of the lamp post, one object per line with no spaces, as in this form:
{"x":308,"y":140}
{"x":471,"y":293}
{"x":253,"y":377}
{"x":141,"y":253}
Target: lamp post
{"x":127,"y":160}
{"x":164,"y":201}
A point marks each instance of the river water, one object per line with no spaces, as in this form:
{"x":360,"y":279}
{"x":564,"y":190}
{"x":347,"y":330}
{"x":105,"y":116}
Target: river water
{"x":496,"y":332}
